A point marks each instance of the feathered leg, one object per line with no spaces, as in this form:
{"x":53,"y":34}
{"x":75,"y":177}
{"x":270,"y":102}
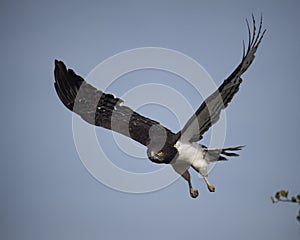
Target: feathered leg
{"x":182,"y":169}
{"x":201,"y":166}
{"x":193,"y":192}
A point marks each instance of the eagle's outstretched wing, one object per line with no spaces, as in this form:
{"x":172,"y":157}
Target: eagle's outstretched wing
{"x":210,"y":110}
{"x":105,"y":110}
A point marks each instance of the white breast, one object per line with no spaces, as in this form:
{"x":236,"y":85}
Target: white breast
{"x":190,"y":154}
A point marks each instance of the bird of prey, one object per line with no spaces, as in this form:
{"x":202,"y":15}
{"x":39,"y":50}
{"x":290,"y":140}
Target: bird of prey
{"x":181,"y":150}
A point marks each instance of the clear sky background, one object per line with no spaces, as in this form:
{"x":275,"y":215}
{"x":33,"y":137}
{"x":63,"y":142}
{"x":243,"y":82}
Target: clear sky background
{"x":47,"y":193}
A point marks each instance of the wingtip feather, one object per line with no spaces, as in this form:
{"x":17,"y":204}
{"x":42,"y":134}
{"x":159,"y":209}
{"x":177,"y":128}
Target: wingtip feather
{"x":66,"y":84}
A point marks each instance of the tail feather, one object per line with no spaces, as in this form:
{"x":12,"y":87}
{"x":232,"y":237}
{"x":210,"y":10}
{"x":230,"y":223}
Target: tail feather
{"x":229,"y":154}
{"x":234,"y":148}
{"x":222,"y":158}
{"x":213,"y":154}
{"x":229,"y":151}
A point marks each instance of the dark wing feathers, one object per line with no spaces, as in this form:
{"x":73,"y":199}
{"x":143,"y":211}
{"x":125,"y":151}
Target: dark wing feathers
{"x":210,"y":110}
{"x":107,"y":111}
{"x":103,"y":109}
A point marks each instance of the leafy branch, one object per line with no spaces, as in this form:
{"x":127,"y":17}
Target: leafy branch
{"x":282,"y":196}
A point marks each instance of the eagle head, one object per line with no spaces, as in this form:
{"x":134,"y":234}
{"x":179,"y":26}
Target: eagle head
{"x":164,"y":155}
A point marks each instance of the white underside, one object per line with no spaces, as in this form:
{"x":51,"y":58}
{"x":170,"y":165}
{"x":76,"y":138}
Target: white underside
{"x":190,"y":154}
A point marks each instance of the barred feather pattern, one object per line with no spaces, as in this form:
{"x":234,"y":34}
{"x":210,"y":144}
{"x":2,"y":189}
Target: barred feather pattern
{"x":218,"y":154}
{"x":105,"y":110}
{"x":210,"y":110}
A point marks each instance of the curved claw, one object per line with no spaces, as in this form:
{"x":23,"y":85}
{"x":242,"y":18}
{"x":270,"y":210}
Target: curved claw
{"x":211,"y":188}
{"x":194,"y":193}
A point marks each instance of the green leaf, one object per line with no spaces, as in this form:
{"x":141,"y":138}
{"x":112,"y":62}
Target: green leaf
{"x":293,"y":199}
{"x":298,"y":197}
{"x":284,"y":193}
{"x":298,"y":217}
{"x":277,"y":195}
{"x":272,"y":199}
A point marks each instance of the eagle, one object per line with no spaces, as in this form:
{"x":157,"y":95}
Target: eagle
{"x":181,"y":150}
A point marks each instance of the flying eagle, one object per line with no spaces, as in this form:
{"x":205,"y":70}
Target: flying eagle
{"x":181,"y":149}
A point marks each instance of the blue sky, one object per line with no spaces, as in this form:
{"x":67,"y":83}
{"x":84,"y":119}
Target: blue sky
{"x":47,"y":193}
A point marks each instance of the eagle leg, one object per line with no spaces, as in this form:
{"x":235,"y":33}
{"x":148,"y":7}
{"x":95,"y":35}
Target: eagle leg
{"x":193,"y":192}
{"x":210,"y":187}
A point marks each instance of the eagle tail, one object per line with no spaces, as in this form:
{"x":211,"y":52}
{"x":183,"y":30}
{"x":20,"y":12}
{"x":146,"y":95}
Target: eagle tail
{"x":229,"y":152}
{"x":221,"y":154}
